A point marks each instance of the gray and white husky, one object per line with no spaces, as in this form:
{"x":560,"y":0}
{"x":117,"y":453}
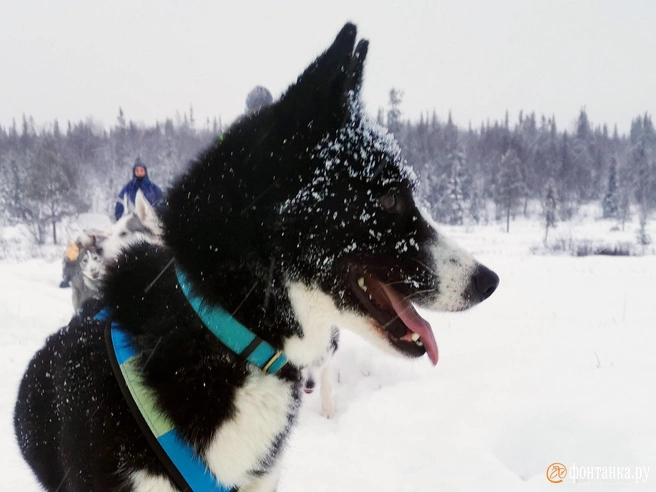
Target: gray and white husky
{"x":139,"y":224}
{"x":87,"y":280}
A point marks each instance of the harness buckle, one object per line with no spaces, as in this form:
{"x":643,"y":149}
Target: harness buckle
{"x":272,"y":360}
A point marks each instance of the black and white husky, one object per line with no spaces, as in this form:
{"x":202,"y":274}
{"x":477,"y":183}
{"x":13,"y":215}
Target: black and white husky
{"x":302,"y":217}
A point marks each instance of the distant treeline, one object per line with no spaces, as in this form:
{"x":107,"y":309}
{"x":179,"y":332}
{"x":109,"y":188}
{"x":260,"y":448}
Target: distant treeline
{"x":509,"y":163}
{"x":460,"y":167}
{"x":52,"y":173}
{"x":48,"y":174}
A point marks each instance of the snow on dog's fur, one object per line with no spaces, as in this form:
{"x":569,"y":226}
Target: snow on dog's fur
{"x":301,"y":218}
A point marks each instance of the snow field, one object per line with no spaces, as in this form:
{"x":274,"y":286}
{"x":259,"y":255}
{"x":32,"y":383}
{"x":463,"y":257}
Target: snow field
{"x":556,"y":366}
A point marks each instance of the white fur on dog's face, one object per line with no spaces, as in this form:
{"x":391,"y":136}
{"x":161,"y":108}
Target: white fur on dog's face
{"x":92,"y":267}
{"x":455,"y":267}
{"x":317,"y":312}
{"x":123,"y":234}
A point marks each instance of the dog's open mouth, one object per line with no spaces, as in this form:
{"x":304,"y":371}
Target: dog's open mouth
{"x":395,"y":317}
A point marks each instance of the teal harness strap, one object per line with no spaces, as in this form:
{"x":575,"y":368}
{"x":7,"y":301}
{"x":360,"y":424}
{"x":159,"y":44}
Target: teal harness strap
{"x":232,"y":333}
{"x":186,"y":468}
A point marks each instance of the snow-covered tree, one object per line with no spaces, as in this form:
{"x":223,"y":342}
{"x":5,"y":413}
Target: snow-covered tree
{"x":510,"y":186}
{"x":567,"y":180}
{"x":380,"y":117}
{"x":394,"y":111}
{"x":454,"y":188}
{"x":611,"y":202}
{"x":625,"y":192}
{"x":52,"y":191}
{"x":477,"y":209}
{"x":550,"y":207}
{"x":643,"y":163}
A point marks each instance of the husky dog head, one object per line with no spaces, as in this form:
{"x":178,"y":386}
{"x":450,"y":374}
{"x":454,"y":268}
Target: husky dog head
{"x":141,"y":224}
{"x":92,"y":267}
{"x":303,"y":217}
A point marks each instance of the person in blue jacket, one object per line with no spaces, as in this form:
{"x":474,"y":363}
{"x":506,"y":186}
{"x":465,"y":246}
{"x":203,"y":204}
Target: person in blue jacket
{"x":139,"y":181}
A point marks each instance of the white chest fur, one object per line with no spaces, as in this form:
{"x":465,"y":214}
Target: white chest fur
{"x":241,"y":443}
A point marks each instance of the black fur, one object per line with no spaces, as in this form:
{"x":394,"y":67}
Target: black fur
{"x":302,"y":191}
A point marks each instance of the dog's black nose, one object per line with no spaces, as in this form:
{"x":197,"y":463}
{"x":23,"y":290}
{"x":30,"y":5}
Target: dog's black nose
{"x":309,"y":385}
{"x":485,"y":281}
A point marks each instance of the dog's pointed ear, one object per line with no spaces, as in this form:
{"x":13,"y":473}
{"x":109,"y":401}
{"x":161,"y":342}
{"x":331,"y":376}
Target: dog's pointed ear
{"x":144,"y":210}
{"x":320,"y":98}
{"x":356,"y":70}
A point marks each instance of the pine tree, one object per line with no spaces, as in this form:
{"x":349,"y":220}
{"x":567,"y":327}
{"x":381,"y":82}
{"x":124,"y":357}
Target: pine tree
{"x":52,"y":193}
{"x":611,"y":202}
{"x":380,"y":117}
{"x":625,"y":191}
{"x":550,"y":207}
{"x":477,"y":209}
{"x":394,"y":112}
{"x":583,"y":126}
{"x":567,"y":181}
{"x":450,"y":135}
{"x":454,"y":188}
{"x":510,"y":187}
{"x":643,"y":164}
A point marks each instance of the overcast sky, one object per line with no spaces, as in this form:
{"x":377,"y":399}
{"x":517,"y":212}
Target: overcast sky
{"x":71,"y":60}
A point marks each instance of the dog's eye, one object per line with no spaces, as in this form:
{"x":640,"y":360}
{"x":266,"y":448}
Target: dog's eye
{"x":123,"y":234}
{"x":389,"y":201}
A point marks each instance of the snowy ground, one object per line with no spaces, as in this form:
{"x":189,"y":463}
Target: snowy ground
{"x":556,"y":367}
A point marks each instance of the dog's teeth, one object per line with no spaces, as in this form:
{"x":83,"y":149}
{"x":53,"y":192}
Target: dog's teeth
{"x":361,"y":283}
{"x":415,"y":337}
{"x":420,"y":343}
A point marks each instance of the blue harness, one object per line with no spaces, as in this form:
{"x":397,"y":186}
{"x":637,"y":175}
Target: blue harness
{"x":186,"y":468}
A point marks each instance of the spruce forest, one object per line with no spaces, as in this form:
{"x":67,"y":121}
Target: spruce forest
{"x":480,"y":174}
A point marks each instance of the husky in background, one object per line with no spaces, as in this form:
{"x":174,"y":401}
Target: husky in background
{"x":321,"y":370}
{"x":300,"y":218}
{"x":87,"y":280}
{"x":139,"y":224}
{"x":84,"y":240}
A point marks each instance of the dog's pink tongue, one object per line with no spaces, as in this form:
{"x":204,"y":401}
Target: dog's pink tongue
{"x":413,"y":321}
